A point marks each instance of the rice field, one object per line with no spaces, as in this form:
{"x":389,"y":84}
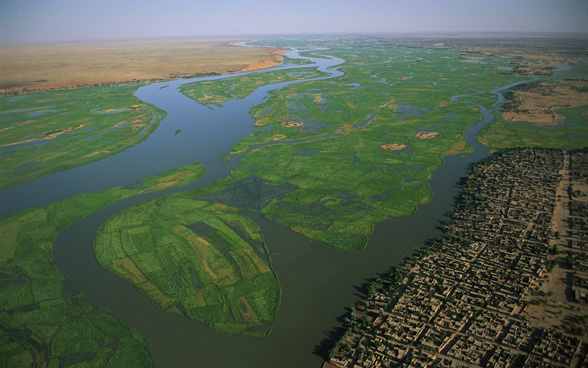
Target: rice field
{"x":198,"y":259}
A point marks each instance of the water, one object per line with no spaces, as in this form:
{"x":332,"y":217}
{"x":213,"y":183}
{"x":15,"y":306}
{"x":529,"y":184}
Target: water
{"x":207,"y":134}
{"x":318,"y":282}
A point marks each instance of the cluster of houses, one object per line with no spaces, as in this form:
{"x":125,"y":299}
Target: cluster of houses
{"x":476,"y":297}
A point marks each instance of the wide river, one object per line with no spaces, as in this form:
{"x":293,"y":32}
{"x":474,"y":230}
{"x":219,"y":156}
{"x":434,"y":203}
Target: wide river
{"x":318,"y":282}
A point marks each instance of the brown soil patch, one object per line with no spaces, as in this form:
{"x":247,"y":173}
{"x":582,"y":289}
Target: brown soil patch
{"x":127,"y":268}
{"x":156,"y":295}
{"x":261,"y":265}
{"x":277,"y":137}
{"x":246,"y":311}
{"x":199,"y":297}
{"x":30,"y":68}
{"x":275,"y":60}
{"x":535,"y":103}
{"x":46,"y":136}
{"x":96,"y":153}
{"x":393,"y":146}
{"x":290,"y":124}
{"x":426,"y":135}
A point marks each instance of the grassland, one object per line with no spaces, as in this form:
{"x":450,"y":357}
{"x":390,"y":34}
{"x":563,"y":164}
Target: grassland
{"x":42,"y":325}
{"x":47,"y":132}
{"x":27,"y":68}
{"x":200,"y":260}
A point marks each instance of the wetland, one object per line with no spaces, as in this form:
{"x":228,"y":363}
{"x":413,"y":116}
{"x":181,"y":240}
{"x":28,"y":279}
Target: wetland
{"x":297,"y":191}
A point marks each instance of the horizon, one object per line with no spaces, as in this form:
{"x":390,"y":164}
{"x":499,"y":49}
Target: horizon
{"x":36,"y":21}
{"x":252,"y":37}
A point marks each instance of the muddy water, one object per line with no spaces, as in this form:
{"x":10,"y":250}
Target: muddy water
{"x":317,"y":281}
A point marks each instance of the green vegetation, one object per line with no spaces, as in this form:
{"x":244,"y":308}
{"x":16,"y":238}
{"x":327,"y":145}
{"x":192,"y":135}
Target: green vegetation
{"x":200,"y":260}
{"x":319,"y":144}
{"x":40,"y":324}
{"x":220,"y":91}
{"x":327,"y":158}
{"x":46,"y":132}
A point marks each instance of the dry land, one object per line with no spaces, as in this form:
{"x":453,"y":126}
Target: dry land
{"x":506,"y":286}
{"x":536,"y":103}
{"x":28,"y":68}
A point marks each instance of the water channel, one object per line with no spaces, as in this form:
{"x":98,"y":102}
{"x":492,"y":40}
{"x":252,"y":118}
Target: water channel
{"x":318,"y":282}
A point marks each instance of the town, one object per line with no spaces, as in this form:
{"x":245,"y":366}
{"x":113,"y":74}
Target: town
{"x":505,"y":286}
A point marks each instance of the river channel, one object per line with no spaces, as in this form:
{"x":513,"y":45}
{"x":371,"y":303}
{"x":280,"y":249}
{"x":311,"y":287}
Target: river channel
{"x":318,"y":282}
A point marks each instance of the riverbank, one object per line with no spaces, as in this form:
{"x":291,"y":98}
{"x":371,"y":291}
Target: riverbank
{"x":44,"y":320}
{"x":500,"y":287}
{"x":275,"y":60}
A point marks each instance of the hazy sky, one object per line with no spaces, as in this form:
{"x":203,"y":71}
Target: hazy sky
{"x":66,"y":20}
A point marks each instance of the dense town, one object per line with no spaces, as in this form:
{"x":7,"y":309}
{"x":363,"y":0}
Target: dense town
{"x":505,"y":286}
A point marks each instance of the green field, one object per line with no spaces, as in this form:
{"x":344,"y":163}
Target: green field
{"x":40,"y":323}
{"x":46,"y":132}
{"x":200,"y":260}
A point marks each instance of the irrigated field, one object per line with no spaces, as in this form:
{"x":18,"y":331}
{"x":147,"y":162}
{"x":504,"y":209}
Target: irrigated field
{"x":25,"y":68}
{"x":198,"y":259}
{"x":42,"y":325}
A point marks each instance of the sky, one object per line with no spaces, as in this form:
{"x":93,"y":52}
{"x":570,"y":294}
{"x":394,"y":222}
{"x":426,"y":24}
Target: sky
{"x":78,"y":20}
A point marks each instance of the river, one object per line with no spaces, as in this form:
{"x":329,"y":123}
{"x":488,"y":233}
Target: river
{"x":318,"y":282}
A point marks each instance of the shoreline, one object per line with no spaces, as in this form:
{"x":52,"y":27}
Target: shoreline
{"x":494,"y":286}
{"x":275,"y":60}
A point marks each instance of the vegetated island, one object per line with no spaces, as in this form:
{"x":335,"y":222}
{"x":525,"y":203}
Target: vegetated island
{"x":42,"y":324}
{"x":506,"y":285}
{"x":198,"y":259}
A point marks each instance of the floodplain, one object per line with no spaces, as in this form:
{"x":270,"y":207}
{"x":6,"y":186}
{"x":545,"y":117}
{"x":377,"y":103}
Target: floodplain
{"x":48,"y":132}
{"x":325,"y":138}
{"x":42,"y":322}
{"x":330,"y":158}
